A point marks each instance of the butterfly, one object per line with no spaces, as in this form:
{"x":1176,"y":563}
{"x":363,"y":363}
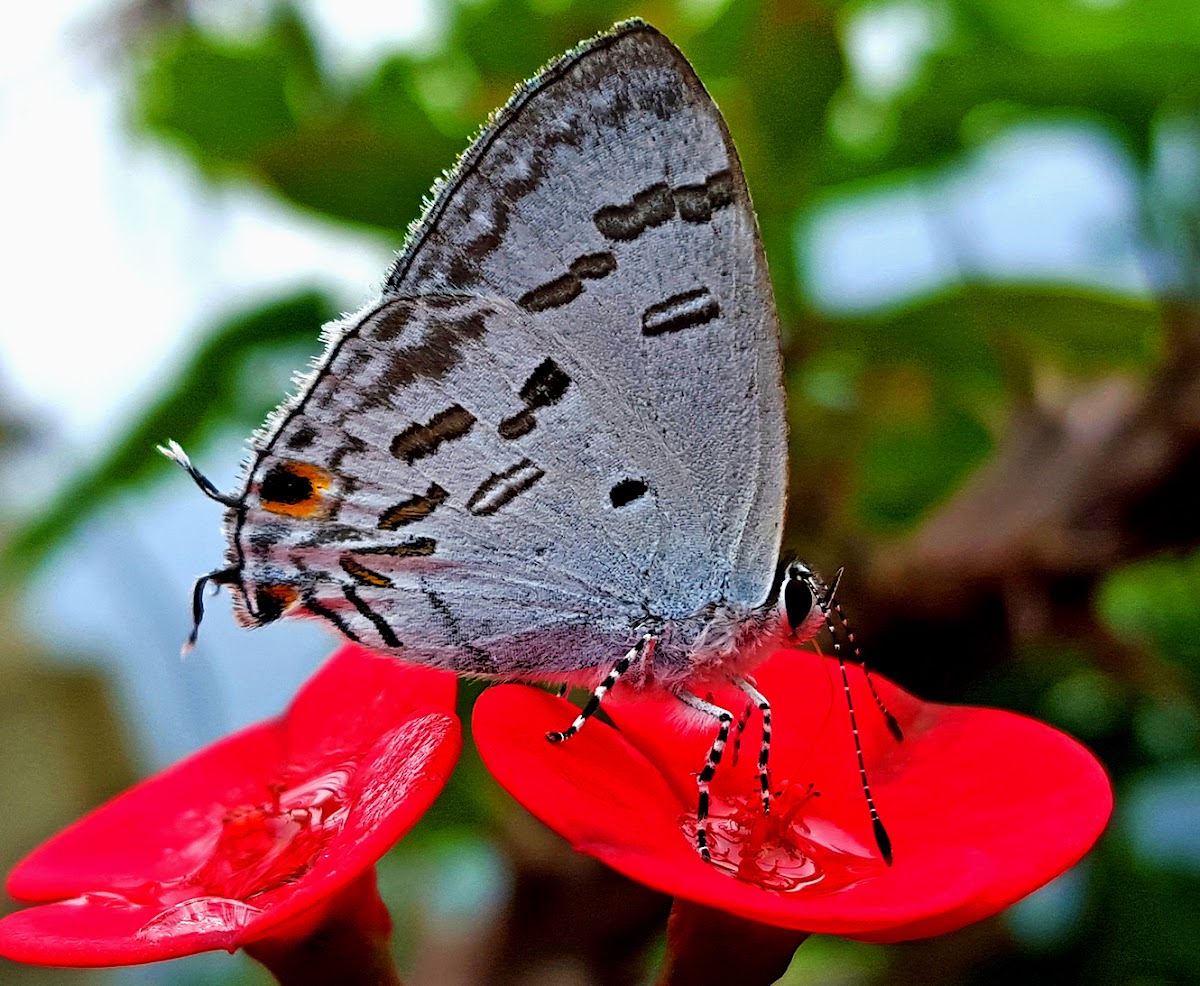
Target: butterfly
{"x":555,"y":447}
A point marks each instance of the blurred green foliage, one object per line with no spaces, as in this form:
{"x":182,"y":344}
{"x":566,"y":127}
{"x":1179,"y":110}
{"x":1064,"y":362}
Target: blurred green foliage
{"x":891,"y":409}
{"x":1158,"y":600}
{"x":216,"y":388}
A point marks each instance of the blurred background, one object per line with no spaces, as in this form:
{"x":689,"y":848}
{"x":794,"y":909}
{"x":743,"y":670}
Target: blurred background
{"x":983,"y":223}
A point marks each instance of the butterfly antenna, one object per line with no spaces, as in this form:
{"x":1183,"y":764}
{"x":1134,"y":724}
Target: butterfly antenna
{"x":829,"y":604}
{"x":882,"y":840}
{"x":174,"y":451}
{"x":220,"y":577}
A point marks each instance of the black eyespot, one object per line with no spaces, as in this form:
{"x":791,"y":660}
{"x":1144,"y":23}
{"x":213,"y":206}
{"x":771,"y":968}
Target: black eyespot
{"x":271,"y":601}
{"x":626,"y":491}
{"x":281,"y":485}
{"x":797,"y":601}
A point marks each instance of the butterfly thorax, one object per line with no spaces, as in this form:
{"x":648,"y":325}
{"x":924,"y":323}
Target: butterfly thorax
{"x":722,"y":639}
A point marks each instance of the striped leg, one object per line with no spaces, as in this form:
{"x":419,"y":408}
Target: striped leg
{"x":764,"y":751}
{"x":603,"y":689}
{"x":739,"y":728}
{"x":710,"y":765}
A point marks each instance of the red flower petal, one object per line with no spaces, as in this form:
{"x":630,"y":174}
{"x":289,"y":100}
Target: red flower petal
{"x":982,"y":806}
{"x":104,"y":929}
{"x":249,"y":836}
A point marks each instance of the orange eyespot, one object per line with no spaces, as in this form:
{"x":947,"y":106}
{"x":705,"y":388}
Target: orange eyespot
{"x":272,"y":600}
{"x":294,"y":489}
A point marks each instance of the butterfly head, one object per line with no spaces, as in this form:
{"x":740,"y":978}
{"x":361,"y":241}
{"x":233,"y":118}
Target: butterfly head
{"x":255,"y":601}
{"x":804,"y":601}
{"x":254,"y":604}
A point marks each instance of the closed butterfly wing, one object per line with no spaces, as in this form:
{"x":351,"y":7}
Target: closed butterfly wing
{"x":563,"y":423}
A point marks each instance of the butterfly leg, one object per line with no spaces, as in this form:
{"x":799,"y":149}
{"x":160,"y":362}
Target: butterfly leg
{"x":739,"y":729}
{"x":725,"y":718}
{"x":759,"y":700}
{"x":603,"y":689}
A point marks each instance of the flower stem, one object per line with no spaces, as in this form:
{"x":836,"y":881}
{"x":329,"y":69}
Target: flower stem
{"x":709,"y":947}
{"x":347,"y":945}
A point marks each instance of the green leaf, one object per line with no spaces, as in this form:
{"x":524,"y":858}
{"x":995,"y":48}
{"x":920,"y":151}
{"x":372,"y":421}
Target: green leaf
{"x":1118,"y":64}
{"x":1156,"y":602}
{"x":226,"y":101}
{"x":510,"y":41}
{"x":963,"y":336}
{"x":1059,"y":27}
{"x":909,"y":465}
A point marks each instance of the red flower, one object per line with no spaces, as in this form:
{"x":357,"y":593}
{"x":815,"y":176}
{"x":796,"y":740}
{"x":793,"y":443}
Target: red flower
{"x":255,"y":840}
{"x":982,"y":806}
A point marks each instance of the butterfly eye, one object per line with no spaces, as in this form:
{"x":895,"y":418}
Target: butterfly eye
{"x":797,"y":600}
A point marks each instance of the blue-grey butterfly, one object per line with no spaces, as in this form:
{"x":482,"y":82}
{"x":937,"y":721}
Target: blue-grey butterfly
{"x":555,"y":448}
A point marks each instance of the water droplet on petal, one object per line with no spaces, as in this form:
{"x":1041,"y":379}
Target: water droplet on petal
{"x":200,"y":915}
{"x":274,"y":843}
{"x":789,"y":849}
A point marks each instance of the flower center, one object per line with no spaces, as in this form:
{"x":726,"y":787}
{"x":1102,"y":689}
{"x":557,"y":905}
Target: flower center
{"x":789,"y":849}
{"x":266,"y":846}
{"x":260,"y":848}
